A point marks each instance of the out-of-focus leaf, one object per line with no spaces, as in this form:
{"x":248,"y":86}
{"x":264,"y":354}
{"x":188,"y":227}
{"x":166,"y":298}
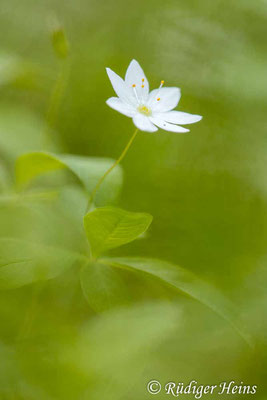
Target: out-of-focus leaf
{"x":20,"y":131}
{"x":29,"y":166}
{"x":110,"y":227}
{"x":9,"y":67}
{"x":60,"y":43}
{"x":188,"y":283}
{"x":4,"y":178}
{"x":58,"y":37}
{"x":9,"y":371}
{"x":122,"y":339}
{"x":87,"y":169}
{"x":24,"y":262}
{"x":52,"y":217}
{"x":72,"y":201}
{"x":18,"y":72}
{"x":102,"y":286}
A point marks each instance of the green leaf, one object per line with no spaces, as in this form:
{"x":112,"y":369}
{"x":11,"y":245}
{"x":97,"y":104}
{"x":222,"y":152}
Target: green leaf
{"x":23,"y":262}
{"x":88,"y":170}
{"x":102,"y":286}
{"x":110,"y":227}
{"x":32,"y":165}
{"x":20,"y":131}
{"x":187,"y":282}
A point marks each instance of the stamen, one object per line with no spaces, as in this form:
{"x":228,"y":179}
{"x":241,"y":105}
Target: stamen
{"x":142,"y":86}
{"x":135,"y":92}
{"x":160,"y":86}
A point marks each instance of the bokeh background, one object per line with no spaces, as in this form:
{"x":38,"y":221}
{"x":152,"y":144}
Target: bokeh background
{"x":207,"y":192}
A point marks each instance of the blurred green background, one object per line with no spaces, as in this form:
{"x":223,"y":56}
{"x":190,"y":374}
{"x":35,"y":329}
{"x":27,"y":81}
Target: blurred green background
{"x":207,"y":192}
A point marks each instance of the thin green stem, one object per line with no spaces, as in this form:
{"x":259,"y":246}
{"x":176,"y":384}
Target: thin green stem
{"x":123,"y":154}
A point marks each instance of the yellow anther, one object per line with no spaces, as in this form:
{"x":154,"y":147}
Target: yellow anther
{"x":162,"y":82}
{"x":158,"y":99}
{"x":143,"y":86}
{"x":134,"y":85}
{"x":143,"y":80}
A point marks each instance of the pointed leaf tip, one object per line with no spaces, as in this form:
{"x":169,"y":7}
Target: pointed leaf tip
{"x":110,"y":227}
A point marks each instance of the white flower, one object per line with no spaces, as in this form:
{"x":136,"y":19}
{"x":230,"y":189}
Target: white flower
{"x":148,"y":110}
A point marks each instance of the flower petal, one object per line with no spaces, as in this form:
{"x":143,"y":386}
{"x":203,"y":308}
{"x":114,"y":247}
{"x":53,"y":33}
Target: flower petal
{"x":169,"y":98}
{"x":121,"y":89}
{"x":135,"y":76}
{"x":168,"y":127}
{"x":179,"y":117}
{"x":143,"y":123}
{"x":118,"y":105}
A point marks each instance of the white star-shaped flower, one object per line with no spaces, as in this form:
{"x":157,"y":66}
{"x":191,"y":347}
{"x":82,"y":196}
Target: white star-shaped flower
{"x":149,"y":111}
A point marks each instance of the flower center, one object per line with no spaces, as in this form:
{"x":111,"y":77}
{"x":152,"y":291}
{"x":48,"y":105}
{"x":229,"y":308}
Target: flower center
{"x":144,"y":110}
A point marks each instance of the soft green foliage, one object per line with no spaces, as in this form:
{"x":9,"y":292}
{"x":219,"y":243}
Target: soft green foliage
{"x":60,"y":42}
{"x":110,"y":227}
{"x":102,"y":286}
{"x":120,"y":344}
{"x":20,"y":131}
{"x":31,"y":165}
{"x":23,"y":262}
{"x":102,"y":329}
{"x":15,"y":71}
{"x":87,"y":169}
{"x":188,"y":283}
{"x":4,"y":178}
